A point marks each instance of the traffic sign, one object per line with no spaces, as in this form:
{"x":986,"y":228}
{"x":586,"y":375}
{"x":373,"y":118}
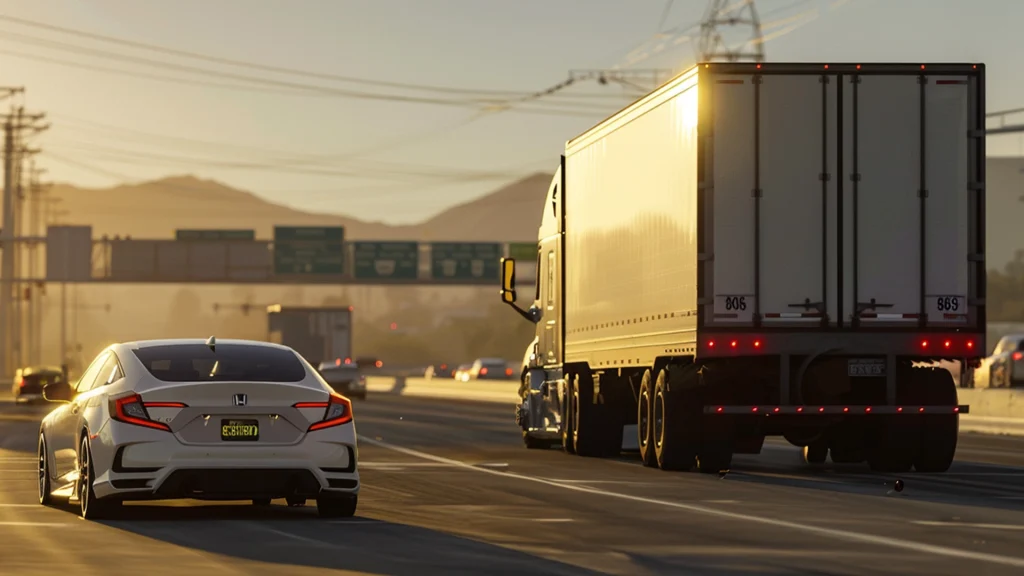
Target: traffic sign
{"x":398,"y":260}
{"x":465,"y":260}
{"x":309,"y":250}
{"x":214,"y":235}
{"x":526,"y":251}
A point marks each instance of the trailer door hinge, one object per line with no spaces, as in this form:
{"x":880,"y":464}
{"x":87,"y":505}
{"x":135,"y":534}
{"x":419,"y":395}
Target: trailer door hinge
{"x":922,"y":193}
{"x":756,"y":193}
{"x":825,"y":177}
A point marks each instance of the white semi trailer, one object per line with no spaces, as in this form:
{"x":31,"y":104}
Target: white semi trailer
{"x":765,"y":249}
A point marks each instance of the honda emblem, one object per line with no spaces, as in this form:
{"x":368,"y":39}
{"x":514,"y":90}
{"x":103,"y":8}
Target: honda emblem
{"x":240,"y":399}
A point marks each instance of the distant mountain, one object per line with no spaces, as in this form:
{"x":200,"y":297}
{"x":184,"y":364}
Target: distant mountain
{"x":156,"y":209}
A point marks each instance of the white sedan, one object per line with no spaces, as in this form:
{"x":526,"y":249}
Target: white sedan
{"x":209,"y":420}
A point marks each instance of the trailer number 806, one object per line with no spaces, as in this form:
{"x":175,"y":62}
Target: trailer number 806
{"x":735,"y":302}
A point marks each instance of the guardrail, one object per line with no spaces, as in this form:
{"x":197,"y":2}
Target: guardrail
{"x":993,"y":411}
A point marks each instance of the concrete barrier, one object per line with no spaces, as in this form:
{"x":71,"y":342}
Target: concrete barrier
{"x":993,"y":411}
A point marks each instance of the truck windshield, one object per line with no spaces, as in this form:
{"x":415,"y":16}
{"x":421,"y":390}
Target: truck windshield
{"x":229,"y":363}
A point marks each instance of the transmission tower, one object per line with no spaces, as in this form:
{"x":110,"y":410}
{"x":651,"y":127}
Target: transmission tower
{"x":732,"y":19}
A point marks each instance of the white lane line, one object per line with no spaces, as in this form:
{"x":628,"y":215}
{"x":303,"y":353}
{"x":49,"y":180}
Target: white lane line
{"x":40,"y":524}
{"x":553,"y":520}
{"x":722,"y":501}
{"x":837,"y":534}
{"x":372,"y":465}
{"x":969,"y":525}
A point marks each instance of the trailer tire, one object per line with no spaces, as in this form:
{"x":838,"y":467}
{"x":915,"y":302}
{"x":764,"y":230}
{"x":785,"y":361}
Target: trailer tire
{"x":676,"y":424}
{"x":939,"y":432}
{"x":593,"y":421}
{"x":894,"y":440}
{"x":645,"y":421}
{"x":816,"y":452}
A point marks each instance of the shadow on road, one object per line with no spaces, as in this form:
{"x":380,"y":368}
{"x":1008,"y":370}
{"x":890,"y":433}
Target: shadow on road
{"x":296,"y":537}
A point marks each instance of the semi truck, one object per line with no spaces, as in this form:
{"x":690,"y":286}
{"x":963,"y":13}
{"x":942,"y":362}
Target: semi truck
{"x":757,"y":250}
{"x":318,"y":334}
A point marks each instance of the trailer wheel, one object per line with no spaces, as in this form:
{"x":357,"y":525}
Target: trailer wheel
{"x":893,"y":440}
{"x":592,"y":422}
{"x":816,"y":452}
{"x":676,"y":423}
{"x":939,"y":432}
{"x":645,"y":421}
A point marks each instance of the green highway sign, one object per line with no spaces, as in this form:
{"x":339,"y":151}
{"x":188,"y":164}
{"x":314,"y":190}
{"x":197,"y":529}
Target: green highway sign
{"x":397,"y":260}
{"x":522,"y":251}
{"x":465,"y":260}
{"x":309,"y":250}
{"x":214,"y":235}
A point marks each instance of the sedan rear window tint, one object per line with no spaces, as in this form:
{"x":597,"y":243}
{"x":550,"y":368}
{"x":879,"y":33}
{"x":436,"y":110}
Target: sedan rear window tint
{"x":228,"y":363}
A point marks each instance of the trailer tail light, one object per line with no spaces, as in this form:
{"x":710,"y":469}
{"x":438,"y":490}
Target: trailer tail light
{"x":508,"y":372}
{"x":757,"y":343}
{"x":1017,"y":356}
{"x":970,"y":344}
{"x":483,"y":371}
{"x":924,"y":344}
{"x":947,"y":344}
{"x":711,"y":343}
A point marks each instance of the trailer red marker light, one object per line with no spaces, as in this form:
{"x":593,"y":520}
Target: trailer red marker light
{"x":846,"y":408}
{"x":799,"y":408}
{"x":757,"y":343}
{"x":776,"y":409}
{"x":822,"y":409}
{"x":947,"y":344}
{"x":733,"y":343}
{"x":754,"y":409}
{"x":711,"y":343}
{"x":970,"y":344}
{"x":924,"y":344}
{"x":758,"y":66}
{"x":922,"y":66}
{"x":899,"y":409}
{"x":921,"y":409}
{"x":719,"y":409}
{"x":858,"y":66}
{"x":826,"y":66}
{"x":956,"y":409}
{"x":867,"y":409}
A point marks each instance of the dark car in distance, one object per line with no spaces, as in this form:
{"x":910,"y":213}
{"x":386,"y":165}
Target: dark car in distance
{"x":345,"y":378}
{"x":29,"y":382}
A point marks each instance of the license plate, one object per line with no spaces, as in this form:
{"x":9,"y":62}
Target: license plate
{"x":866,"y":368}
{"x":239,"y":430}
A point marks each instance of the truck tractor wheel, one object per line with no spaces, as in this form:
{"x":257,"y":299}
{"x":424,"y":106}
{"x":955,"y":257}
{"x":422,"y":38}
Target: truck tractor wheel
{"x":532,"y":443}
{"x":939,"y":432}
{"x":815,"y":452}
{"x":645,"y":421}
{"x":568,"y":418}
{"x":592,"y":421}
{"x":676,"y":423}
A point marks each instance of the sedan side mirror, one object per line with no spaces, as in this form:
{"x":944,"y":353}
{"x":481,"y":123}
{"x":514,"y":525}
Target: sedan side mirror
{"x":57,"y":392}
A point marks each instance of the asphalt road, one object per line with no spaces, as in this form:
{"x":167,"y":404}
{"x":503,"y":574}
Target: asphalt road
{"x":449,"y":489}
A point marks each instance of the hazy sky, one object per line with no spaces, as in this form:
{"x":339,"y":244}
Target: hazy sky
{"x":399,"y":161}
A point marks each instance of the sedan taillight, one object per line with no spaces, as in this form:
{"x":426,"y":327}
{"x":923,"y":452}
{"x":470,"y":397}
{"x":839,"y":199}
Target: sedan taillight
{"x":338,"y":411}
{"x":132,"y":410}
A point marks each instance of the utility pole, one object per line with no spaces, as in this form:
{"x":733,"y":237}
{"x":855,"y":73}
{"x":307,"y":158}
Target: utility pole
{"x":14,"y":125}
{"x":37,"y":228}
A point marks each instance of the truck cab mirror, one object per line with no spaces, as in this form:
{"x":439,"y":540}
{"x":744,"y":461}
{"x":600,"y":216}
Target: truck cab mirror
{"x":508,"y":280}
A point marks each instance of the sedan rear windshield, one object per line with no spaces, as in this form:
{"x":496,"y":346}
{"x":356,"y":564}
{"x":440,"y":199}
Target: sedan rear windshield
{"x":227,"y":363}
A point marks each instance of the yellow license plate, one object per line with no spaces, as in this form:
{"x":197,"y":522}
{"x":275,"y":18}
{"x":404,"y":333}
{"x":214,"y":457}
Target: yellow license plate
{"x":239,"y":430}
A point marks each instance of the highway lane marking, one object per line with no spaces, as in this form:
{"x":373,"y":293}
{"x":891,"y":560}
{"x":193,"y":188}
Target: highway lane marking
{"x":39,"y":524}
{"x":969,"y":525}
{"x":553,"y":520}
{"x":379,"y":465}
{"x":837,"y":534}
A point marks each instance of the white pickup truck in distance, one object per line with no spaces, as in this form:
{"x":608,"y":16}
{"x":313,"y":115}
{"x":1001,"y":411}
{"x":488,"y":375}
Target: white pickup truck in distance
{"x":765,"y":249}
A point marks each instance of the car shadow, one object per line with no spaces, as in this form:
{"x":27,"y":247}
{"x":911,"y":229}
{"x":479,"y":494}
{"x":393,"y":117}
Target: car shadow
{"x":297,"y":537}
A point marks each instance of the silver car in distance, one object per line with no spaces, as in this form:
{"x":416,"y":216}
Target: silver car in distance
{"x":208,"y":420}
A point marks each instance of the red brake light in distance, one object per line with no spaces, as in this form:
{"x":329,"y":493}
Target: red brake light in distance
{"x":508,"y":371}
{"x":131,"y":410}
{"x":1017,"y":356}
{"x":339,"y":411}
{"x":483,"y":371}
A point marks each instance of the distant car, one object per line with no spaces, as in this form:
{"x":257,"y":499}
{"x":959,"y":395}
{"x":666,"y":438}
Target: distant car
{"x":344,"y":378}
{"x":30,"y":380}
{"x":173,"y":419}
{"x":1005,"y":367}
{"x":490,"y":369}
{"x":438,"y":371}
{"x":369,"y":363}
{"x":462,"y":372}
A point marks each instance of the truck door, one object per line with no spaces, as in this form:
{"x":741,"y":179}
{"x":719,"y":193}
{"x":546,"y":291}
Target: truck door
{"x":550,"y":338}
